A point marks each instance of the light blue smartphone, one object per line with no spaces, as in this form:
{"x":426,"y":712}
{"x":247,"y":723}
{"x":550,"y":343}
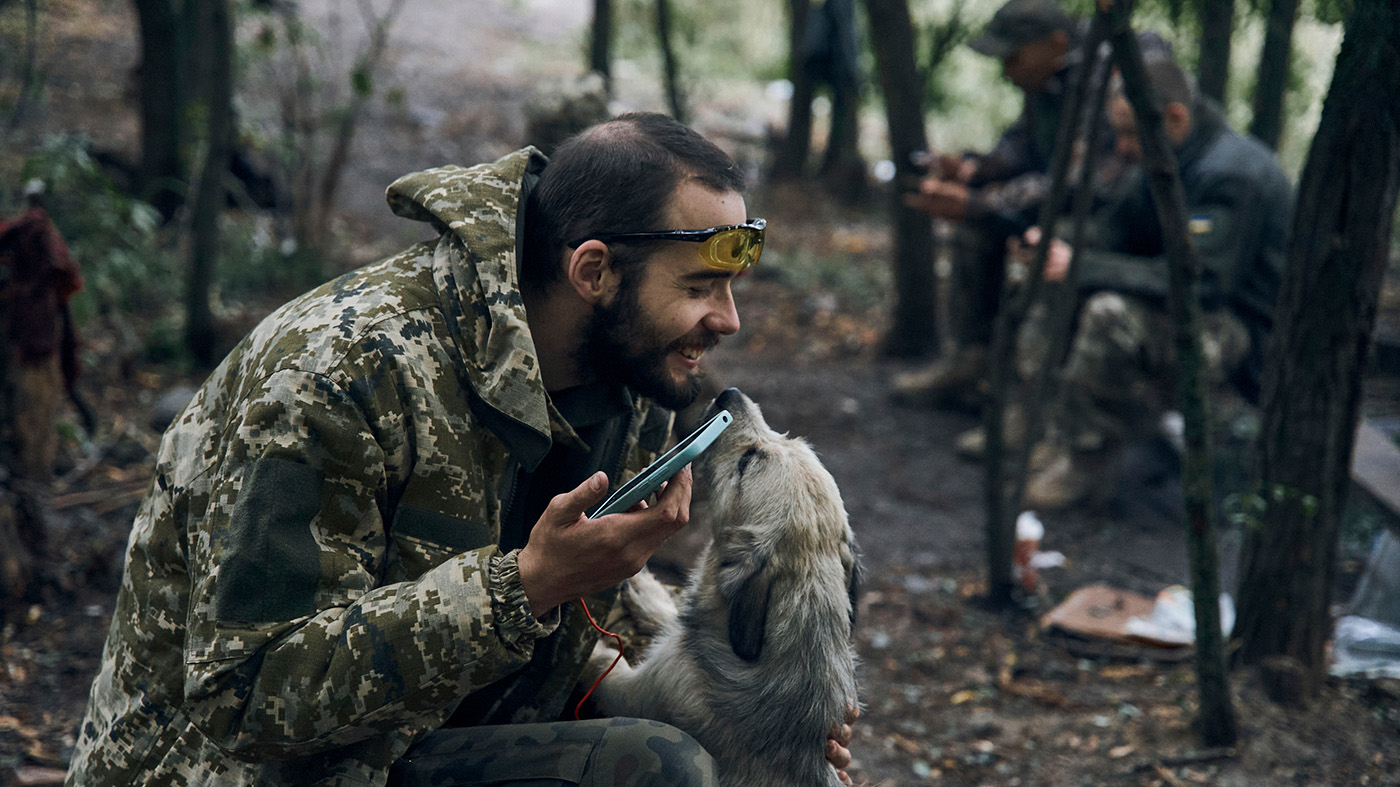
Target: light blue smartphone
{"x":655,"y":474}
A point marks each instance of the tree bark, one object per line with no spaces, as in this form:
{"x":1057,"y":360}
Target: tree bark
{"x":600,"y":42}
{"x":1216,"y":722}
{"x":162,"y":170}
{"x":1002,"y":504}
{"x":791,"y":158}
{"x":1323,"y":324}
{"x":216,"y":50}
{"x":912,"y":332}
{"x":1270,"y":91}
{"x":668,"y":60}
{"x":1217,"y":18}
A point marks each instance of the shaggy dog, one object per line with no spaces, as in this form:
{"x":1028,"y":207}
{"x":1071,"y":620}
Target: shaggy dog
{"x":759,"y":664}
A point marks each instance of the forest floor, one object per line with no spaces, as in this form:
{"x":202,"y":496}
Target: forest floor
{"x":955,"y":693}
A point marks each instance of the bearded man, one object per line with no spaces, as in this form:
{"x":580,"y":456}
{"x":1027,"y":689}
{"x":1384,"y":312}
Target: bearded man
{"x":365,"y":555}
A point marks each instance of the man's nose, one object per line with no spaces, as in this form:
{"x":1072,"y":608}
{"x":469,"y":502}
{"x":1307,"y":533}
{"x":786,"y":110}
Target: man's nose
{"x":723,"y":317}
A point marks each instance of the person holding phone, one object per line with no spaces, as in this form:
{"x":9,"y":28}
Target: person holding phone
{"x":364,"y":557}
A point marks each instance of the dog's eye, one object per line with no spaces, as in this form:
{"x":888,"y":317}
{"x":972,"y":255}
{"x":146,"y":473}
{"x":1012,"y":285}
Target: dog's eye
{"x":746,"y":458}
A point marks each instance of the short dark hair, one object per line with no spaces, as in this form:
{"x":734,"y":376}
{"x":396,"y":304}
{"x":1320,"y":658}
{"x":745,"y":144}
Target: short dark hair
{"x":617,"y":176}
{"x":1169,"y":81}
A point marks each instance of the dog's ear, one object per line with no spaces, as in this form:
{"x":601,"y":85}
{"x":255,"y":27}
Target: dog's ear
{"x":745,"y":583}
{"x":855,"y":574}
{"x":853,"y":589}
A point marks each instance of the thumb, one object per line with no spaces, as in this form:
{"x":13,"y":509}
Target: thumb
{"x":568,"y":507}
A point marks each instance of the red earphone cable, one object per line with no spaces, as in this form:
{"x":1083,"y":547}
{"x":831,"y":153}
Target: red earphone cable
{"x":606,"y":633}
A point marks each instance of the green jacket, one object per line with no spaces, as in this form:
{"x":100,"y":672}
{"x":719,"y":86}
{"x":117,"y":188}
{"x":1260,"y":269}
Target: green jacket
{"x":313,"y":580}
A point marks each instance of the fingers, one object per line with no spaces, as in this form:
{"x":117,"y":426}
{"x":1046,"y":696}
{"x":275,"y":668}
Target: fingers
{"x":839,"y":756}
{"x":673,"y":506}
{"x":567,"y":508}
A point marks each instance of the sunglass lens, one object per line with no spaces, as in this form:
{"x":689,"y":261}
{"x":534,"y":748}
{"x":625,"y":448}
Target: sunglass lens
{"x":734,"y":249}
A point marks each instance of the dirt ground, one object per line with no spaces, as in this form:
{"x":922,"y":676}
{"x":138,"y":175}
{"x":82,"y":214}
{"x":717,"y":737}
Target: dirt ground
{"x":954,"y":694}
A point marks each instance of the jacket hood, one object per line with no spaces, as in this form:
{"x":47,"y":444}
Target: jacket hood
{"x":479,"y":210}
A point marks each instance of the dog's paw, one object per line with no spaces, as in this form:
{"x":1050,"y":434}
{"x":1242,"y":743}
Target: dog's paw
{"x":603,"y":655}
{"x":651,"y":604}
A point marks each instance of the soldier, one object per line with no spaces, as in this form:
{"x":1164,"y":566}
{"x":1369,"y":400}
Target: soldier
{"x":364,"y":557}
{"x":993,"y":197}
{"x":1118,"y":377}
{"x":39,"y":277}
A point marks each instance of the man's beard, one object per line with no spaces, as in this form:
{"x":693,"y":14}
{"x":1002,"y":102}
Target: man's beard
{"x":623,"y":345}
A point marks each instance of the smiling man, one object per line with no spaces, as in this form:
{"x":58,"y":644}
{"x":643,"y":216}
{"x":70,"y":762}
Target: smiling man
{"x":364,"y":556}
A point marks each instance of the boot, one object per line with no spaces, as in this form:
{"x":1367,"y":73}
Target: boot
{"x":1065,"y":479}
{"x":955,"y":382}
{"x":972,"y":444}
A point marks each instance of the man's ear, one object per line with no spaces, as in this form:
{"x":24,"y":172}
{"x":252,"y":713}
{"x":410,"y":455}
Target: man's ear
{"x":1177,"y":119}
{"x":1061,"y":39}
{"x":589,"y":271}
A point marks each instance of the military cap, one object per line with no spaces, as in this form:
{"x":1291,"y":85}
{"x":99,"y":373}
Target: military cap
{"x":1020,"y":22}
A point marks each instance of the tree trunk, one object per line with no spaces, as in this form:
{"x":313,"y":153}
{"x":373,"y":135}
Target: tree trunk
{"x":1216,"y":723}
{"x":162,"y":171}
{"x":1002,"y":507}
{"x":842,"y":166}
{"x":912,"y":333}
{"x":1217,"y":18}
{"x":668,"y":60}
{"x":791,"y":158}
{"x":216,"y":51}
{"x":1269,"y":92}
{"x":600,"y":43}
{"x":1323,"y":323}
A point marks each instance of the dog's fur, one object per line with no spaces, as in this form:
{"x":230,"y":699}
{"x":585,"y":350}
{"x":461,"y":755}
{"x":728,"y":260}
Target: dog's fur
{"x":759,"y":665}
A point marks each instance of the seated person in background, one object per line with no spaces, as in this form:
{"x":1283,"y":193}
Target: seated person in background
{"x":1119,"y":376}
{"x":994,"y":196}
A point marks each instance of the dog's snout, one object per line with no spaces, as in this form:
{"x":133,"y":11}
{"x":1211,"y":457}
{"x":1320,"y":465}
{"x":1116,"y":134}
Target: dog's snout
{"x":728,"y":398}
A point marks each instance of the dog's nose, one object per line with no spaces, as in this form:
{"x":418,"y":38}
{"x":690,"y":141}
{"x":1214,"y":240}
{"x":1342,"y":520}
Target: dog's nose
{"x":728,"y":398}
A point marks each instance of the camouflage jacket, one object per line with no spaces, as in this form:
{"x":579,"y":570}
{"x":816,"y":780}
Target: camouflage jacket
{"x":313,"y":580}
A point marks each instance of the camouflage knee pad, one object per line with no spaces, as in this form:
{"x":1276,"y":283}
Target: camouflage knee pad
{"x":618,"y":752}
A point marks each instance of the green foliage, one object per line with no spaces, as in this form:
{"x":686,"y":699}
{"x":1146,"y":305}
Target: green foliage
{"x":719,"y":39}
{"x":113,"y":237}
{"x":1332,"y":12}
{"x":854,"y":279}
{"x":254,"y":265}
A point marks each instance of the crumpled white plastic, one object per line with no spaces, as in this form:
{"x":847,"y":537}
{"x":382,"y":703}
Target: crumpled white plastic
{"x":1173,"y":617}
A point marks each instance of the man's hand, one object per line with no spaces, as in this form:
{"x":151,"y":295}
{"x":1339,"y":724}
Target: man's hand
{"x":1056,"y":260}
{"x":569,"y":555}
{"x":943,"y":199}
{"x":837,"y":740}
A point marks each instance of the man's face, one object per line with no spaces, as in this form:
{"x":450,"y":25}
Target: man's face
{"x":1125,"y":136}
{"x":1031,"y":65}
{"x":1176,"y":124}
{"x":671,"y":309}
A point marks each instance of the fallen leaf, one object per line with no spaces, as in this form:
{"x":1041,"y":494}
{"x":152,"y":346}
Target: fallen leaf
{"x":1119,"y":752}
{"x":966,"y":695}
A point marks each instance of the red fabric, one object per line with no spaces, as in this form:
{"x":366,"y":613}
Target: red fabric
{"x":40,"y":278}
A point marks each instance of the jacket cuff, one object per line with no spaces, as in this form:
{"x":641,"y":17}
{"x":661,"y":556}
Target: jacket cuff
{"x":514,"y":619}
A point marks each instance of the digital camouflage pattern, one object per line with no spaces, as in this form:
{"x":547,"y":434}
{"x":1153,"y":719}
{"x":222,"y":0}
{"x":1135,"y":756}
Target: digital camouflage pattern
{"x":1119,"y":375}
{"x":617,"y":752}
{"x":312,"y":581}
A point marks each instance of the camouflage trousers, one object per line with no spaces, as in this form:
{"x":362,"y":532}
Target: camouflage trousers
{"x":597,"y":753}
{"x":1120,"y":374}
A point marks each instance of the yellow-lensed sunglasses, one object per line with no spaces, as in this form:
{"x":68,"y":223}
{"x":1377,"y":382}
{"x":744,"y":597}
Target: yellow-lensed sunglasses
{"x":733,"y":247}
